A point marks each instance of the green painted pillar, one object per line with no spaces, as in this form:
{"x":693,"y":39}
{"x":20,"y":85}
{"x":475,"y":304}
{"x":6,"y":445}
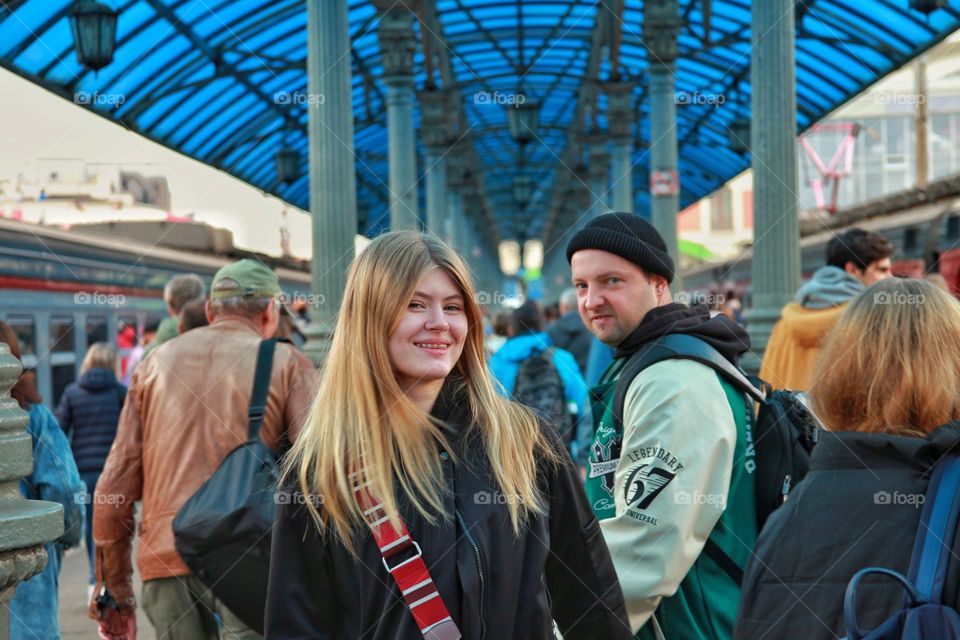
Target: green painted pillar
{"x":25,"y":525}
{"x":333,"y":191}
{"x":773,"y":134}
{"x":660,"y":27}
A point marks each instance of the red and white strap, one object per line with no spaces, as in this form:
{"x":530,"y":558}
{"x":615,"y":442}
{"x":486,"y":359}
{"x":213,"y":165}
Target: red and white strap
{"x":410,"y":573}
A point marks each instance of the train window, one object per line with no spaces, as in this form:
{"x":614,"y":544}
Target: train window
{"x":61,"y":375}
{"x":61,"y":334}
{"x":26,"y":331}
{"x":96,"y":329}
{"x":909,"y":240}
{"x":953,"y":228}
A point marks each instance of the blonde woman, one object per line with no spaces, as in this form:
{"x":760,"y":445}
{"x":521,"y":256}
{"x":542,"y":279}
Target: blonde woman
{"x":407,"y":416}
{"x":89,"y":412}
{"x":887,"y":385}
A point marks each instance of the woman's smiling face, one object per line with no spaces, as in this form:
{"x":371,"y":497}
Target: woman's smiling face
{"x":428,"y":341}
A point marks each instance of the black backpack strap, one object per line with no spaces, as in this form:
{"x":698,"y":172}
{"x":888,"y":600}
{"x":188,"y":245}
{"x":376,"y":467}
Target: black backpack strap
{"x":725,"y":562}
{"x":261,"y":384}
{"x":684,"y":347}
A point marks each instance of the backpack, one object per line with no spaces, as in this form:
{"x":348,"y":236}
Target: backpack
{"x":539,"y":386}
{"x":783,"y":432}
{"x":922,"y":615}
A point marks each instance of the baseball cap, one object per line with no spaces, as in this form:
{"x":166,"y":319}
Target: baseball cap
{"x":254,"y":280}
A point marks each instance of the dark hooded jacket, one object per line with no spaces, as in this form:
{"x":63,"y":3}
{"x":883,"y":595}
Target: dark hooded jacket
{"x":859,"y":506}
{"x":88,"y":413}
{"x":570,"y":334}
{"x":494,"y":584}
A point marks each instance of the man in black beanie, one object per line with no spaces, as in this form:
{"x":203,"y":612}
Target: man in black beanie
{"x":674,"y":476}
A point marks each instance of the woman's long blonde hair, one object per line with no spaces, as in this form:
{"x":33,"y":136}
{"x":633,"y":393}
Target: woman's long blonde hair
{"x":363,"y":422}
{"x":892,"y":363}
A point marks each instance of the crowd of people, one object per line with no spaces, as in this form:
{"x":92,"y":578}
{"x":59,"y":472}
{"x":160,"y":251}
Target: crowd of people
{"x":451,"y":474}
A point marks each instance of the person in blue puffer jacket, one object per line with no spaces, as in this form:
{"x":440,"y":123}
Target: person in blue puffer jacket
{"x":88,"y":414}
{"x":34,"y":611}
{"x":528,"y":338}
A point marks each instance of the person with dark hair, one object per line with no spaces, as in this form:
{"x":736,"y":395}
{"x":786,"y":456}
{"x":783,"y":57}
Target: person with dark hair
{"x":856,"y":259}
{"x":569,"y":332}
{"x":138,"y":352}
{"x":54,"y":478}
{"x":193,"y":315}
{"x":515,"y":365}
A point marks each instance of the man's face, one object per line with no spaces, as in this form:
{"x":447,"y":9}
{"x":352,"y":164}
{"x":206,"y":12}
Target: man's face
{"x":875,"y":272}
{"x":613,"y":294}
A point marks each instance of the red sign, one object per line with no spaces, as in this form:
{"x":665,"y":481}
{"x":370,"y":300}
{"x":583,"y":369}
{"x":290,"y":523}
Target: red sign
{"x":664,"y":183}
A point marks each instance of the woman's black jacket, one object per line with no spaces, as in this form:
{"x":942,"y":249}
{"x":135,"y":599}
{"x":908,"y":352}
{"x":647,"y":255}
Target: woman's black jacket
{"x":859,"y":506}
{"x":496,"y":586}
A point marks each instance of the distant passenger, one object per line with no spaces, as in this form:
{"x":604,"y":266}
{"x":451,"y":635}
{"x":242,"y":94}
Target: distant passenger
{"x":855,"y":259}
{"x":179,"y":291}
{"x":136,"y":354}
{"x":193,"y":315}
{"x":502,"y":541}
{"x":34,"y":606}
{"x":185,"y":411}
{"x":569,"y":332}
{"x":88,"y":414}
{"x":553,"y":388}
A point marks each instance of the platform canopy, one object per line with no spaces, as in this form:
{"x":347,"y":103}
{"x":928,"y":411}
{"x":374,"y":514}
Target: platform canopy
{"x":219,"y":80}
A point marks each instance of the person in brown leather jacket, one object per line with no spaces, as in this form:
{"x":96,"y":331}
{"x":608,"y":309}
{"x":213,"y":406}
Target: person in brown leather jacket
{"x":186,"y":410}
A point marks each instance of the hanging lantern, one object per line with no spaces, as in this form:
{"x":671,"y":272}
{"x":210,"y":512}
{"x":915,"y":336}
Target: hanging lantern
{"x":523,"y":119}
{"x":928,"y":6}
{"x":739,"y":135}
{"x":94,"y":27}
{"x":288,"y":165}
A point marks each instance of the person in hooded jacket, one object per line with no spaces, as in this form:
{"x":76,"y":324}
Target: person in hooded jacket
{"x":89,"y":412}
{"x":855,"y":259}
{"x":887,"y":381}
{"x":34,"y":607}
{"x":569,"y":332}
{"x":527,"y":339}
{"x":680,"y":471}
{"x":411,"y":469}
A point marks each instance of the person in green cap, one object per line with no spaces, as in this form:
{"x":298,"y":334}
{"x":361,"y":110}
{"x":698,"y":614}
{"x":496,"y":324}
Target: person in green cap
{"x":186,"y":410}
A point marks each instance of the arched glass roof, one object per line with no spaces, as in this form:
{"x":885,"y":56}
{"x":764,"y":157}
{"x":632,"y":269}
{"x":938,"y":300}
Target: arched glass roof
{"x":201,"y":77}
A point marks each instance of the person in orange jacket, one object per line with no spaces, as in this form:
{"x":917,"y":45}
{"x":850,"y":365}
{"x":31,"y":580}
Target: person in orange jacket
{"x":855,"y":260}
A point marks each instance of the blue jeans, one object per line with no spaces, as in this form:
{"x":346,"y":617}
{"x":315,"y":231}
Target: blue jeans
{"x":90,"y":479}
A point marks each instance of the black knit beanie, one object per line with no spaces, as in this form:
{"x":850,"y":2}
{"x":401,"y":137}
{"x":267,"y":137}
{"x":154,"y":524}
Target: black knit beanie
{"x":628,"y":236}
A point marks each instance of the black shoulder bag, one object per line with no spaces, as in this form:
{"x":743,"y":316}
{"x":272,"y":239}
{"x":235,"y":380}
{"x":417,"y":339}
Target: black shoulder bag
{"x":223,"y":531}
